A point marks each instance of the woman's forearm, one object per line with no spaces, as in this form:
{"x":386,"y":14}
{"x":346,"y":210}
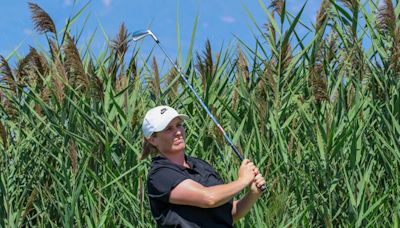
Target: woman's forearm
{"x":242,"y":207}
{"x":221,"y":194}
{"x":189,"y":192}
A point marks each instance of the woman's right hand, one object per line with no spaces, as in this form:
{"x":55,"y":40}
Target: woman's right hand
{"x":246,"y":171}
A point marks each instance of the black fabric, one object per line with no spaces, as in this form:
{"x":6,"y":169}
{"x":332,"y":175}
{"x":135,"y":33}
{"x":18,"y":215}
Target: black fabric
{"x":165,"y":175}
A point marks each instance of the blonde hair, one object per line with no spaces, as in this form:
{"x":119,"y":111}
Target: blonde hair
{"x":148,"y":149}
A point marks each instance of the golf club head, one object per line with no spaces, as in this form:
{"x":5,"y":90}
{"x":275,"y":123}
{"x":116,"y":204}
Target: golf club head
{"x":138,"y":35}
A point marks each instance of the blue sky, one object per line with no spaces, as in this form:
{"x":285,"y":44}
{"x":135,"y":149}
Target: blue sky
{"x":220,"y":21}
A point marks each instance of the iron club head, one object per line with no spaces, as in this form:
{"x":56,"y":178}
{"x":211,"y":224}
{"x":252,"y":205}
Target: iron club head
{"x":143,"y":33}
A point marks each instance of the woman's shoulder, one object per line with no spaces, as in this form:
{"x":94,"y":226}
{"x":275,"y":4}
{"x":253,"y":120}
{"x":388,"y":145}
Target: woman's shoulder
{"x":202,"y":163}
{"x":161,"y":164}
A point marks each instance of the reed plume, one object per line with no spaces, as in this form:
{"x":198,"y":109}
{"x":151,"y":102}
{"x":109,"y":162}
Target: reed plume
{"x":120,"y":43}
{"x":322,"y":14}
{"x":155,"y":83}
{"x":59,"y":75}
{"x":286,"y":55}
{"x":351,"y":4}
{"x":318,"y":83}
{"x":73,"y":65}
{"x":242,"y":66}
{"x":39,"y":62}
{"x":386,"y":18}
{"x":171,"y":76}
{"x":208,"y":60}
{"x":3,"y":135}
{"x":270,"y":76}
{"x":7,"y":74}
{"x":386,"y":23}
{"x":25,"y":72}
{"x":42,"y":20}
{"x":205,"y":64}
{"x":132,"y":72}
{"x":330,"y":47}
{"x":122,"y":82}
{"x":96,"y":84}
{"x":73,"y":154}
{"x":277,"y":6}
{"x":262,"y":104}
{"x":395,"y":58}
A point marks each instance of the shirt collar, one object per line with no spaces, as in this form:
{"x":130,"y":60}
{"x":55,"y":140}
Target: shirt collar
{"x":161,"y":160}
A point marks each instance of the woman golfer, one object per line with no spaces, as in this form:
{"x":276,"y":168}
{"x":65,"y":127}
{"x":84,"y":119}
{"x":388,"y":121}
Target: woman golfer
{"x":185,"y":191}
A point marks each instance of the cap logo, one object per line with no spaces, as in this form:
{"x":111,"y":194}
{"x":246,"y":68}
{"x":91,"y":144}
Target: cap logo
{"x":163,"y":110}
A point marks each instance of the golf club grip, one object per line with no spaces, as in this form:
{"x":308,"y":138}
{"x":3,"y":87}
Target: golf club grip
{"x":263,"y":187}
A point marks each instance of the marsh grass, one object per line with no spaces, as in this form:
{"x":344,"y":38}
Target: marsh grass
{"x":318,"y":112}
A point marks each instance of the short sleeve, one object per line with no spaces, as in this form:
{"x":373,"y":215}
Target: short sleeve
{"x":161,"y":181}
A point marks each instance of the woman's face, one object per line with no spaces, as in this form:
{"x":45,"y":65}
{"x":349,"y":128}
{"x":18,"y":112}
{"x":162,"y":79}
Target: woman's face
{"x":171,"y":140}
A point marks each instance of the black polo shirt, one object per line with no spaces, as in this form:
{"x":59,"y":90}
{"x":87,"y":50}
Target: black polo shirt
{"x":165,"y":175}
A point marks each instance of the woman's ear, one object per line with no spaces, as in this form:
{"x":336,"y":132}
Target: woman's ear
{"x":152,"y":140}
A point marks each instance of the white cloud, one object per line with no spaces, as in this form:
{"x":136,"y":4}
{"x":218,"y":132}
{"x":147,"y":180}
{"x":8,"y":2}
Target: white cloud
{"x":107,"y":3}
{"x":228,"y":19}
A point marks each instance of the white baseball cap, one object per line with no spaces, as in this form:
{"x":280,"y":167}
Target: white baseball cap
{"x":157,"y":119}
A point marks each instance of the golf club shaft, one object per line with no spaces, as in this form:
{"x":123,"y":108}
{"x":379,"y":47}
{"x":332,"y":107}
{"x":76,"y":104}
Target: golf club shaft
{"x":235,"y":149}
{"x":227,"y":138}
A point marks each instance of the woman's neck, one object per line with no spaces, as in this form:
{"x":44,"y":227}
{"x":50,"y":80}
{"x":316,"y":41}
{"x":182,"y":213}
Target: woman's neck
{"x":178,"y":158}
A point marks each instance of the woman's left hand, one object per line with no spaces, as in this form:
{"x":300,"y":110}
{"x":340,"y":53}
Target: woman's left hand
{"x":258,"y":181}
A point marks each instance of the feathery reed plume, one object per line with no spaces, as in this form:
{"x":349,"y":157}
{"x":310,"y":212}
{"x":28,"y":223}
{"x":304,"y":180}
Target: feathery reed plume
{"x":73,"y":65}
{"x":56,"y":55}
{"x":286,"y":55}
{"x":270,"y":32}
{"x":39,"y":62}
{"x":242,"y":66}
{"x":73,"y":154}
{"x":45,"y":95}
{"x":54,"y":50}
{"x":59,"y":76}
{"x":120,"y":43}
{"x":58,"y":85}
{"x":172,"y":74}
{"x":330,"y":46}
{"x":9,"y":108}
{"x":96,"y":84}
{"x":386,"y":24}
{"x":7,"y":74}
{"x":386,"y":18}
{"x":270,"y":76}
{"x":155,"y":83}
{"x":277,"y":6}
{"x":208,"y":60}
{"x":205,"y":65}
{"x":395,"y":58}
{"x":318,"y":83}
{"x":37,"y":67}
{"x":202,"y":70}
{"x":24,"y":70}
{"x":122,"y":82}
{"x":216,"y":131}
{"x":322,"y":14}
{"x":262,"y":97}
{"x":351,"y":4}
{"x":41,"y":19}
{"x":3,"y":135}
{"x":29,"y":202}
{"x":132,"y":69}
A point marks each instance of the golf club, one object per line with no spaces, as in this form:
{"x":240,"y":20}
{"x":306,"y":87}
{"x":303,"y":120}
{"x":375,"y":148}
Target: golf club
{"x":143,"y":33}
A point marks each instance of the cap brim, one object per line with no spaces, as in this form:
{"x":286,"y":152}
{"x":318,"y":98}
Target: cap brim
{"x":167,"y":121}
